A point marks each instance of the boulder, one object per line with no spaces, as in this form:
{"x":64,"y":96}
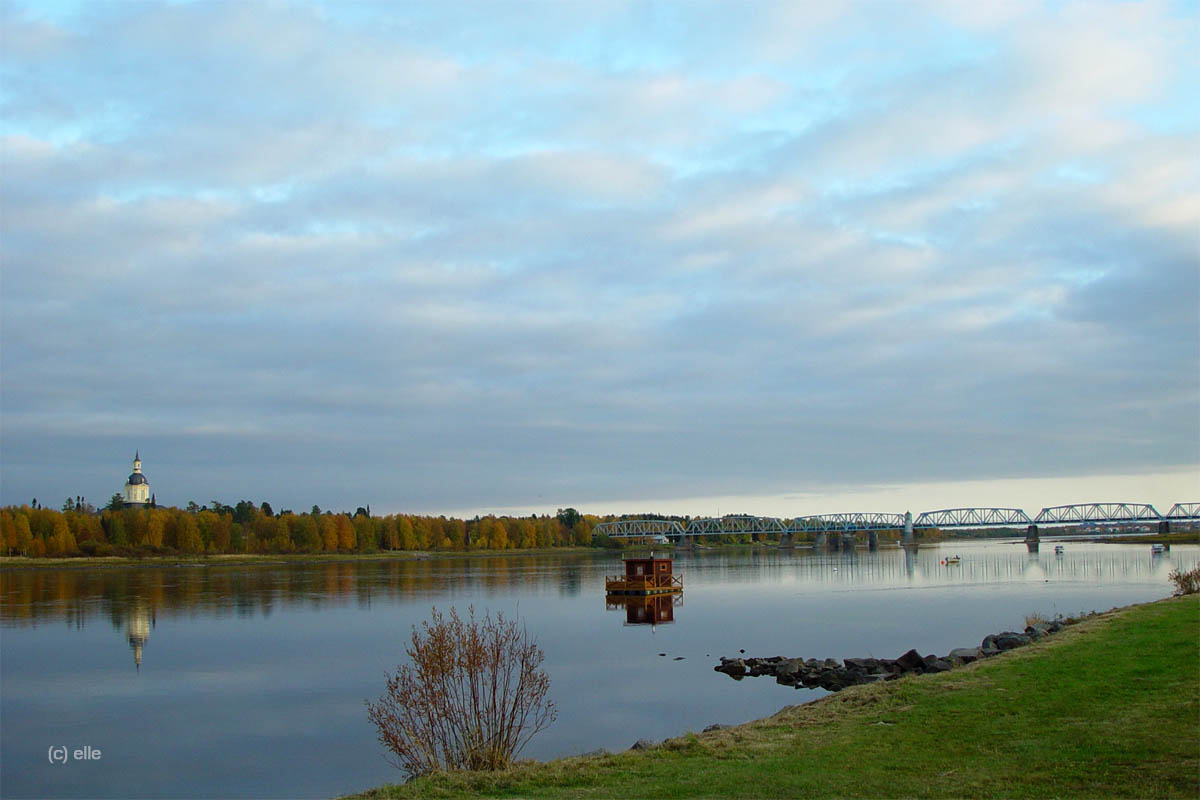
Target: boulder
{"x":1010,"y":639}
{"x":965,"y":655}
{"x":810,"y":679}
{"x":760,"y":666}
{"x":715,"y":727}
{"x":1038,"y":630}
{"x":939,"y":665}
{"x":733,"y":667}
{"x":788,"y":672}
{"x":911,"y":662}
{"x":644,"y":744}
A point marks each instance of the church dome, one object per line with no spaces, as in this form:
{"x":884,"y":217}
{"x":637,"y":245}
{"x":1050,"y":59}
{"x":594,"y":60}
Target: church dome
{"x":136,"y":479}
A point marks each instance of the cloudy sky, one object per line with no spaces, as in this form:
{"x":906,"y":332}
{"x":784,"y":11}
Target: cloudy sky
{"x":762,"y":257}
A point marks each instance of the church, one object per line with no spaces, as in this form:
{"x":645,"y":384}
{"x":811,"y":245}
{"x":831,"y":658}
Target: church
{"x":137,"y":488}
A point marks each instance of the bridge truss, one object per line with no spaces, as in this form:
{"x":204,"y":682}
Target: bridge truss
{"x":625,"y":528}
{"x":1184,"y":511}
{"x":1097,"y":513}
{"x":735,"y":524}
{"x":972,"y":518}
{"x":847,"y":523}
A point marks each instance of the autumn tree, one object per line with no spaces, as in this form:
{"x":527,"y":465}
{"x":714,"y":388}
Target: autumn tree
{"x":187,"y":534}
{"x":404,"y":530}
{"x":364,"y":533}
{"x":346,"y":539}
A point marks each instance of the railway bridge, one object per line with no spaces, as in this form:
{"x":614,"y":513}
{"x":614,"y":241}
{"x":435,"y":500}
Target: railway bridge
{"x":820,"y":526}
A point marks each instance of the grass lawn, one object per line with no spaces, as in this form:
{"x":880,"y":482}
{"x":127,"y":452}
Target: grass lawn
{"x":1107,"y":708}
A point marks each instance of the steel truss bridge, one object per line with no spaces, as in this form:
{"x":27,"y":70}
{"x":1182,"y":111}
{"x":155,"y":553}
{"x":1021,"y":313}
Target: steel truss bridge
{"x":735,"y":524}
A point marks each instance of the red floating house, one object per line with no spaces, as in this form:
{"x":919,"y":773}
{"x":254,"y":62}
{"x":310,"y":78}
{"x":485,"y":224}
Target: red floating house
{"x":645,"y":575}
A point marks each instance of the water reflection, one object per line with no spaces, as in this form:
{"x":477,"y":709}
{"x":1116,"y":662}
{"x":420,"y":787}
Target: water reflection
{"x":137,"y":630}
{"x":277,"y":659}
{"x":922,"y":567}
{"x":133,"y":599}
{"x":30,"y":597}
{"x":655,"y":610}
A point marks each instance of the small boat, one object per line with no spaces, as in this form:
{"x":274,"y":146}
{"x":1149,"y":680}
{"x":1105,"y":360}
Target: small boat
{"x":1058,"y":549}
{"x":952,"y":559}
{"x":1157,"y":549}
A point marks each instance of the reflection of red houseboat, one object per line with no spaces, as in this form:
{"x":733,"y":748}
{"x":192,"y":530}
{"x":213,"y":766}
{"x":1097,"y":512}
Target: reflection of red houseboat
{"x":656,"y":609}
{"x":645,"y":575}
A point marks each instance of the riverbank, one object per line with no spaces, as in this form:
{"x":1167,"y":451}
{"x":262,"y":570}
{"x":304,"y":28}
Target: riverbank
{"x":1175,"y":537}
{"x":8,"y":563}
{"x":1108,"y":707}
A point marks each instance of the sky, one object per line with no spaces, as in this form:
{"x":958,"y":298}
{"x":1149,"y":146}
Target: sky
{"x":698,"y":257}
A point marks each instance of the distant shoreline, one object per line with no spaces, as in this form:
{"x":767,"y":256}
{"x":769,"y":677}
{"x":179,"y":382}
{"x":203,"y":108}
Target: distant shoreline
{"x":17,"y":563}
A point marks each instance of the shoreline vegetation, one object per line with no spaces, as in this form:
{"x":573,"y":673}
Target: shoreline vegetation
{"x":80,"y":536}
{"x":167,"y":560}
{"x":1107,"y":707}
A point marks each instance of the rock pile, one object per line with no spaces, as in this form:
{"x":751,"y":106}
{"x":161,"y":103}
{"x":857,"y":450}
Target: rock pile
{"x":834,"y":675}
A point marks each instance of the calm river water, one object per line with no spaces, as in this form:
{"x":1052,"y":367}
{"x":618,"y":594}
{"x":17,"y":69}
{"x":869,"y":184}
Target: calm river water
{"x":249,"y":681}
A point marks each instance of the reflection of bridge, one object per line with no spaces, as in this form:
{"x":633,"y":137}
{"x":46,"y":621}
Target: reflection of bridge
{"x":742,"y":524}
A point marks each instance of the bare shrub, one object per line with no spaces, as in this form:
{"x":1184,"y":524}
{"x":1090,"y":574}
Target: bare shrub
{"x":1035,"y":619}
{"x":472,"y":697}
{"x":1186,"y":582}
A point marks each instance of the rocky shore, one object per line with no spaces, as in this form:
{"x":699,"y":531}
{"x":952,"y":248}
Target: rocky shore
{"x":834,"y":675}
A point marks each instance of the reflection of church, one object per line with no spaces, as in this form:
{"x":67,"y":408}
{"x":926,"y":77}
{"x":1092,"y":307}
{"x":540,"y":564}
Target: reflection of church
{"x":137,"y":629}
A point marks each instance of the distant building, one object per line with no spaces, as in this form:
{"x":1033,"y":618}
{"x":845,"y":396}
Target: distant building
{"x":137,"y":488}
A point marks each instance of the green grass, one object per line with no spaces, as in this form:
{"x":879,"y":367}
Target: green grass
{"x":1107,"y":708}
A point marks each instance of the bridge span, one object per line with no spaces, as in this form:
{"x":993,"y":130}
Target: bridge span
{"x":847,"y":523}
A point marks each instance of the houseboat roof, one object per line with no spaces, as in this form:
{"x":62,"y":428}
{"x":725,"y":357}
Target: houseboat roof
{"x":645,"y":557}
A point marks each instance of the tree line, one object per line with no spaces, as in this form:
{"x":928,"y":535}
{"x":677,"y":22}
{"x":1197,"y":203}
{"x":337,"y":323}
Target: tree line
{"x":247,"y":528}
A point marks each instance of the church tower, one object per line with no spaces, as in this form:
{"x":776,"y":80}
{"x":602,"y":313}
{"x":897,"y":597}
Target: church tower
{"x":137,"y":488}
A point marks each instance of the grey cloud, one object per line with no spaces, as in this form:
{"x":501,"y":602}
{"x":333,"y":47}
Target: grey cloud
{"x":365,"y":266}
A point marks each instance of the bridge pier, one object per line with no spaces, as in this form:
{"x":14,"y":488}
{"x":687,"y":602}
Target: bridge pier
{"x":786,"y":540}
{"x":909,"y":536}
{"x":1164,"y":526}
{"x":1031,"y":533}
{"x":820,"y":541}
{"x":873,"y":540}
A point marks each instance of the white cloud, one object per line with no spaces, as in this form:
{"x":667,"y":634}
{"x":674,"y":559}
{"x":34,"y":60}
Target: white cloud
{"x":584,"y":250}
